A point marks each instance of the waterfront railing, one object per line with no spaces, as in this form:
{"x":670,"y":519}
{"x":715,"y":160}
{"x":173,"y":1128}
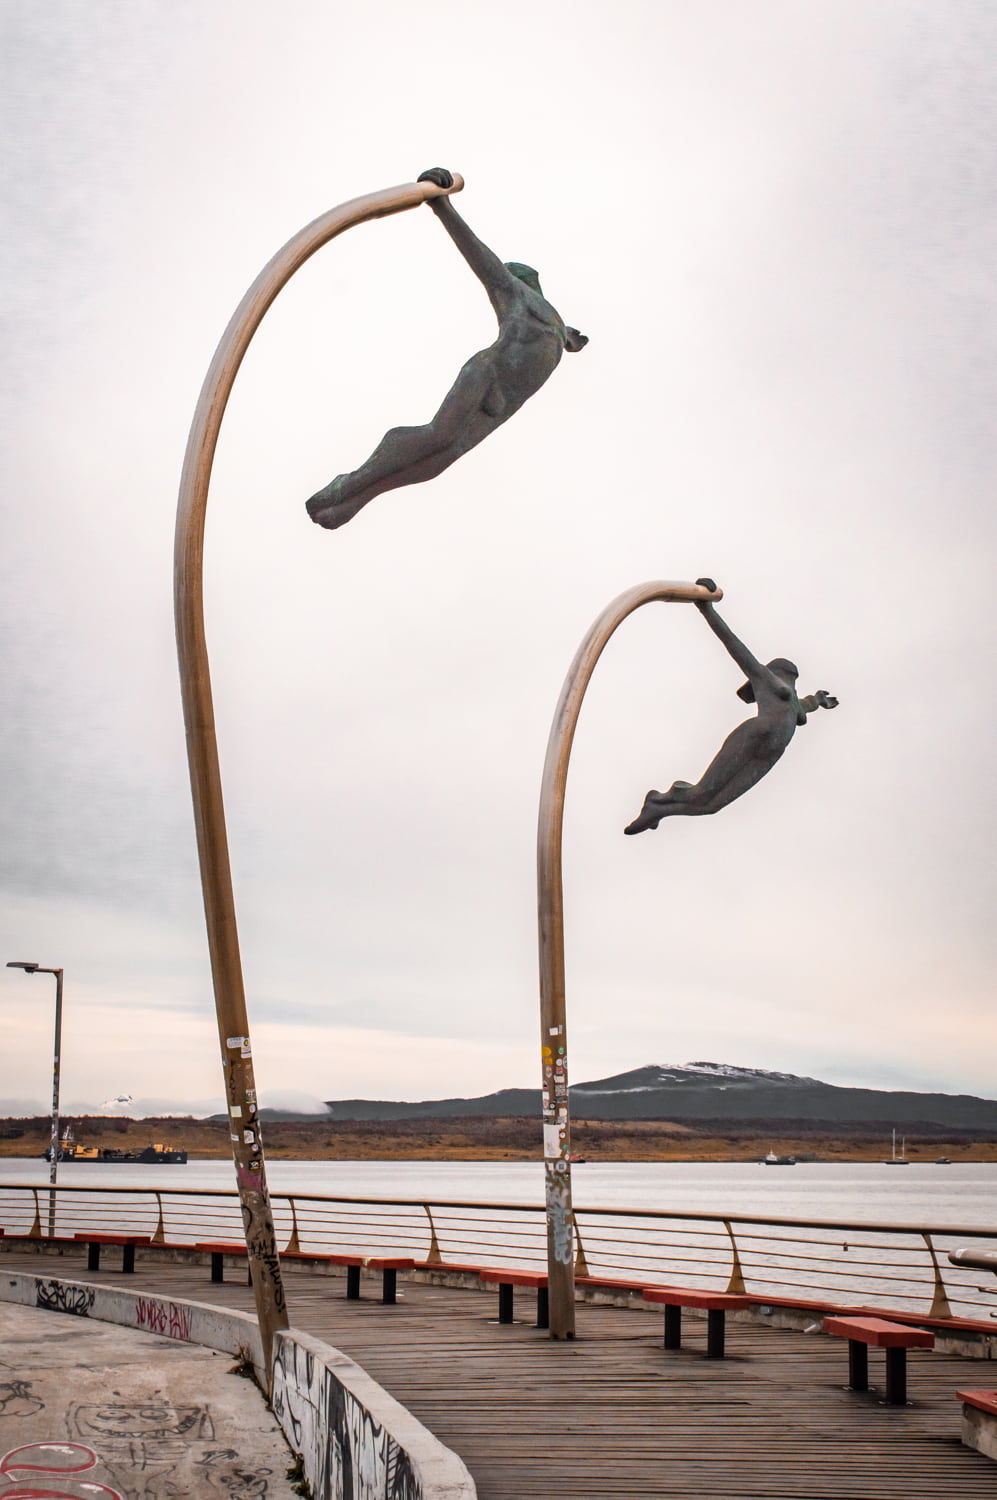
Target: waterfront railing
{"x":903,"y":1267}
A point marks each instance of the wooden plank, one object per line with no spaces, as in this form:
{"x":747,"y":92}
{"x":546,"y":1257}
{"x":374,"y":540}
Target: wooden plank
{"x":612,"y":1413}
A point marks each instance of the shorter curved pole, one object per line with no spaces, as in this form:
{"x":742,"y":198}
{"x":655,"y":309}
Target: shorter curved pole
{"x":550,"y":915}
{"x":202,"y":748}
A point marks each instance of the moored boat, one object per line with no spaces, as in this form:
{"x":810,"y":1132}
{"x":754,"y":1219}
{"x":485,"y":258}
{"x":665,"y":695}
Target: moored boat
{"x":71,"y":1149}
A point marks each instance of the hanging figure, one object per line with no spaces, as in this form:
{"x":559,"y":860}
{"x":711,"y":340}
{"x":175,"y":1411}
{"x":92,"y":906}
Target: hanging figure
{"x":749,"y":751}
{"x":491,"y":386}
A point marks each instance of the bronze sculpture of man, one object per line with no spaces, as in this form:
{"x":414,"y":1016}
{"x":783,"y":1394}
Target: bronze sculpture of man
{"x":491,"y":386}
{"x":751,"y":750}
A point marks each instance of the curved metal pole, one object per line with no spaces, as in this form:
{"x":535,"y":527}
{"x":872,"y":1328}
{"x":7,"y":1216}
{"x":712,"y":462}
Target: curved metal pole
{"x":550,"y":914}
{"x":202,"y":750}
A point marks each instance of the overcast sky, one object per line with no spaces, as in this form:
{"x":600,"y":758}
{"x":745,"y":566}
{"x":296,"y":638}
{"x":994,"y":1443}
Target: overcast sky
{"x":776,"y":223}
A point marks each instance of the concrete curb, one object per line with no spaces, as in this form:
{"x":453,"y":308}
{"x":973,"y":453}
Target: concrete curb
{"x":353,"y":1437}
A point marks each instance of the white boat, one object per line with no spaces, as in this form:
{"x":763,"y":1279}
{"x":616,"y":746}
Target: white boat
{"x":771,"y":1160}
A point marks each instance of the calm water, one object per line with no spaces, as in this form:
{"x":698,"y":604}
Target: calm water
{"x":921,"y":1194}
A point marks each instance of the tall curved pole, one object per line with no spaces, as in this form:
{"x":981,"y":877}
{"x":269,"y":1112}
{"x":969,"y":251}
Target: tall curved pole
{"x":550,"y":913}
{"x":199,"y":719}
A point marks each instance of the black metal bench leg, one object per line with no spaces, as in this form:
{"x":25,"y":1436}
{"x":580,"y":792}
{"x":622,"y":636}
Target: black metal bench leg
{"x":543,"y":1307}
{"x":896,"y":1377}
{"x":715,"y":1333}
{"x":353,"y":1283}
{"x":217,"y":1266}
{"x":127,"y":1259}
{"x":93,"y":1257}
{"x":673,"y":1327}
{"x":858,"y":1365}
{"x":389,"y":1285}
{"x":505,"y":1302}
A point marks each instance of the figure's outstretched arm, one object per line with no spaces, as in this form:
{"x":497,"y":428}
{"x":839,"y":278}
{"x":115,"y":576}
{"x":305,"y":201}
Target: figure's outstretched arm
{"x":820,"y":699}
{"x":497,"y":279}
{"x":750,"y":665}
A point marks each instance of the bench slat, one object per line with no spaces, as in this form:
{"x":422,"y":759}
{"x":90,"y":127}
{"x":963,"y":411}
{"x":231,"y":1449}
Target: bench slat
{"x":879,"y":1331}
{"x":676,"y":1296}
{"x":983,"y":1400}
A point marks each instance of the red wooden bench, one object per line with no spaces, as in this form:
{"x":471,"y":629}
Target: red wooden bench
{"x":610,"y":1284}
{"x":389,"y":1266}
{"x":982,"y":1400}
{"x":127,"y":1242}
{"x":218,"y":1249}
{"x":714,"y":1304}
{"x":507,"y":1281}
{"x":895,"y":1338}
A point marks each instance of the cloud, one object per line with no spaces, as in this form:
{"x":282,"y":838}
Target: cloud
{"x":776,"y":227}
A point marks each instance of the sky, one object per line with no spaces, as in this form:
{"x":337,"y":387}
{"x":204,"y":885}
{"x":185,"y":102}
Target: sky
{"x":776,"y":223}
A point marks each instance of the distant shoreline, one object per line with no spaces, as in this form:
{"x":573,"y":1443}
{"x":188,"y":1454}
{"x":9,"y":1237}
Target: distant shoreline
{"x":486,"y":1138}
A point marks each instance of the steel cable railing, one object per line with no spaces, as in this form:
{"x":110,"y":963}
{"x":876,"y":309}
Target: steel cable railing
{"x":839,"y":1264}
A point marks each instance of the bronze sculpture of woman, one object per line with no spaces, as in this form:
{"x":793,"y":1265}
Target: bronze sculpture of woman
{"x":751,"y":750}
{"x":492,"y":385}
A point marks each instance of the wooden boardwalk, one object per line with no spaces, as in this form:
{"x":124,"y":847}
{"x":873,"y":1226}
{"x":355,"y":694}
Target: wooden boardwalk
{"x":613,"y":1413}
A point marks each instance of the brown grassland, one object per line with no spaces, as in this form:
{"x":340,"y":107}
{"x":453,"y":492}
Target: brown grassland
{"x":486,"y":1138}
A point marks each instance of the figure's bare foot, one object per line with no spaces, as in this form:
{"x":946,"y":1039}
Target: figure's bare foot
{"x":649,"y":816}
{"x":329,"y":508}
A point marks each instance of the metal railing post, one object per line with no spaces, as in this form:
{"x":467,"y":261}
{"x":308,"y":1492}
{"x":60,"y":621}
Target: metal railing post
{"x":736,"y":1283}
{"x":159,"y":1237}
{"x":293,"y":1245}
{"x":939,"y":1302}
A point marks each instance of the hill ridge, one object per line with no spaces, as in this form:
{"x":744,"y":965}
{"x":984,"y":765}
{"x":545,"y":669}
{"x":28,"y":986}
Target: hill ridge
{"x":700,"y":1091}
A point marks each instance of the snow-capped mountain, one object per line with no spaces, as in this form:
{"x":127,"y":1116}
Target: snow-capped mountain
{"x":700,"y":1091}
{"x":720,"y":1075}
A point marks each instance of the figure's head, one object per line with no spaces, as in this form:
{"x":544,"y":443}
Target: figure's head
{"x":782,"y":667}
{"x":525,"y":274}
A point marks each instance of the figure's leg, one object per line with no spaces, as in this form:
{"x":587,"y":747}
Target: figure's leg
{"x":748,"y":752}
{"x":405,"y":455}
{"x":411,"y":455}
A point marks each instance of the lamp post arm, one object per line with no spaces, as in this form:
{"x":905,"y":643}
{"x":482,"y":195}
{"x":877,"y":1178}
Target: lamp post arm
{"x":550,"y":921}
{"x":202,"y":749}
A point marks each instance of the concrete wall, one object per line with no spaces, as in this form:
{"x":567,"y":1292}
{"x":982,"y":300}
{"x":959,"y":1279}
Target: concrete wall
{"x":356,"y":1441}
{"x":979,"y":1430}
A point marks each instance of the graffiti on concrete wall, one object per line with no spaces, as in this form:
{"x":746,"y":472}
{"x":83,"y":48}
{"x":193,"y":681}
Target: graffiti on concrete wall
{"x":63,"y":1297}
{"x":172,"y":1319}
{"x":52,"y":1471}
{"x":348,"y":1454}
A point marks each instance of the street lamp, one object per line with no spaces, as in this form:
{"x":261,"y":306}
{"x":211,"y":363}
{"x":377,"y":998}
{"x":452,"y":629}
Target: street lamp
{"x":202,"y":748}
{"x":550,"y":910}
{"x":30,"y":968}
